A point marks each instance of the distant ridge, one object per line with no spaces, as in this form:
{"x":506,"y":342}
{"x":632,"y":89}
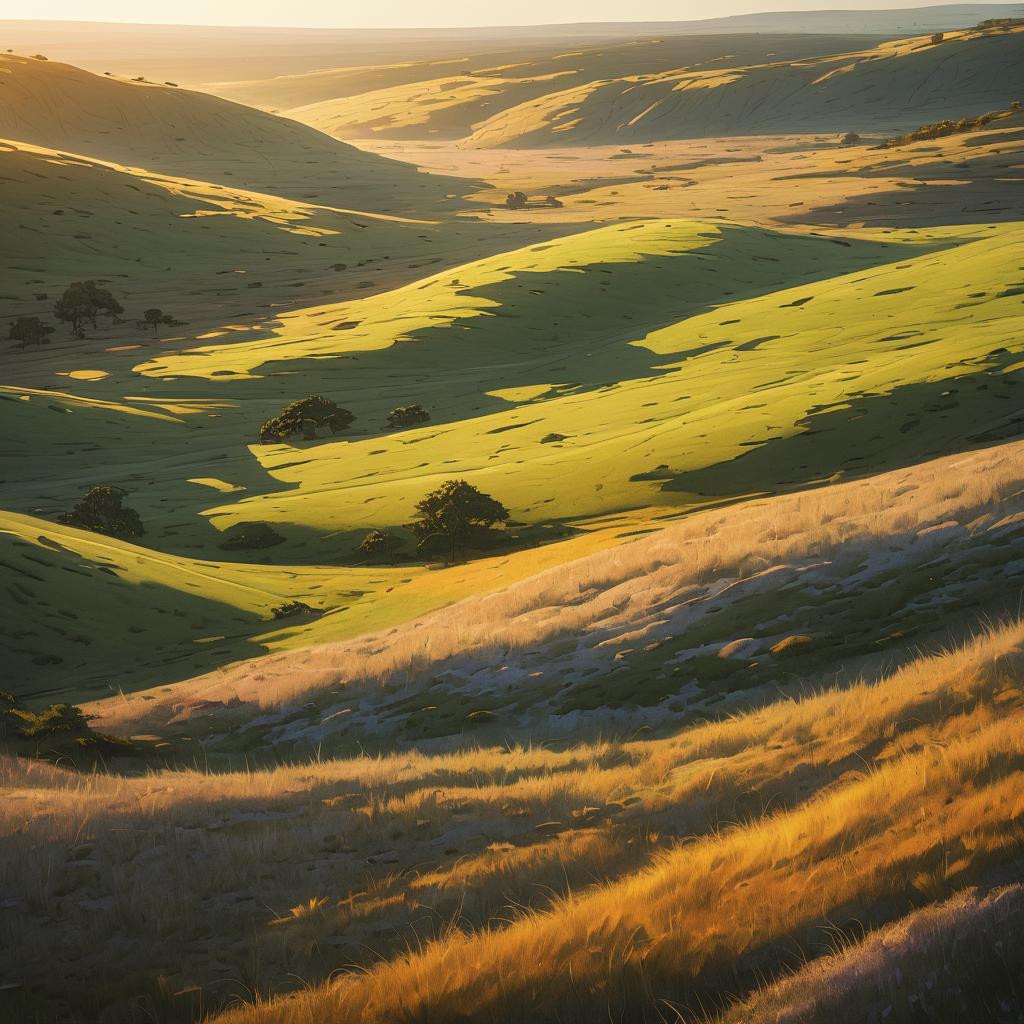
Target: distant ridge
{"x":196,"y":53}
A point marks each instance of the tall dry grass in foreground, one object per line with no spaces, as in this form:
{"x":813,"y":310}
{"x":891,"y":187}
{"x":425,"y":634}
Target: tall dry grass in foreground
{"x":714,"y":910}
{"x":542,"y":624}
{"x":600,"y":879}
{"x":962,"y":960}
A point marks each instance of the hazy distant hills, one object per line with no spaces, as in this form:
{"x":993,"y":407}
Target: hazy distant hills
{"x":195,"y":54}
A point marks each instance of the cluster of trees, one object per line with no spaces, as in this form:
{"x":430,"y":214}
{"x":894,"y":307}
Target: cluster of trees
{"x":304,"y":416}
{"x":82,"y":302}
{"x":102,"y":510}
{"x":1000,"y":23}
{"x":454,"y":516}
{"x":314,"y":411}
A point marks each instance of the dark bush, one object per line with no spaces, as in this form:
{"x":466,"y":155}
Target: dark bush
{"x":380,"y":544}
{"x":408,"y":416}
{"x":102,"y":511}
{"x":250,"y":537}
{"x":306,"y":415}
{"x":29,"y":330}
{"x":290,"y":609}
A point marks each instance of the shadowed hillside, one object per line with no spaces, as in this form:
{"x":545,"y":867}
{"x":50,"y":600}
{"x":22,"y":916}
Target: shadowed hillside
{"x":889,"y":88}
{"x":433,"y":100}
{"x":182,"y":133}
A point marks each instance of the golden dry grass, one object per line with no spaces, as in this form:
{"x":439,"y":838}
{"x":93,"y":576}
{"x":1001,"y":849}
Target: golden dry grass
{"x":644,"y":872}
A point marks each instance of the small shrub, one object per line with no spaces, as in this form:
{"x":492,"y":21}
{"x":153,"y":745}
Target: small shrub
{"x":937,"y":38}
{"x":516,"y":200}
{"x":380,"y":544}
{"x":290,"y":609}
{"x":850,"y":139}
{"x":408,"y":416}
{"x":250,"y":537}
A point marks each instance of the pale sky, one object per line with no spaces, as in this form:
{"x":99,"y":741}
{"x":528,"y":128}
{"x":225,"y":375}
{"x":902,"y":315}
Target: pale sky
{"x":415,"y":13}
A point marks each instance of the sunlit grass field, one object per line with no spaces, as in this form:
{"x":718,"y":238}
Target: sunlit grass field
{"x":721,"y":726}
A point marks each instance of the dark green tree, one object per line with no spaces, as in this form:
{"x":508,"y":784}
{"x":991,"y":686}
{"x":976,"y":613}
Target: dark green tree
{"x":305,"y":416}
{"x":29,"y":330}
{"x":408,"y":416}
{"x":102,"y":510}
{"x":103,"y":301}
{"x":75,"y":307}
{"x":85,"y":300}
{"x":455,"y":513}
{"x":154,"y":319}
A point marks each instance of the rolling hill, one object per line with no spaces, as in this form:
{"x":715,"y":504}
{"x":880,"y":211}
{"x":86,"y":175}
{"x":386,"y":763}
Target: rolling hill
{"x":177,"y":132}
{"x":717,"y":718}
{"x":689,"y":346}
{"x":884,"y":89}
{"x":442,"y":100}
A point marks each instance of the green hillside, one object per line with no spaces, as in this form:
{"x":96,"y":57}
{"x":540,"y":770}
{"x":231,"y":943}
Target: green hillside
{"x":190,"y":134}
{"x":678,"y":362}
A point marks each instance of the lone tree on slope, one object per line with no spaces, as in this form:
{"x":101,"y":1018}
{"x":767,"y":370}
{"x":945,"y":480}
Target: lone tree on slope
{"x":101,"y":510}
{"x":29,"y":330}
{"x":455,"y":512}
{"x":154,"y":319}
{"x":306,"y":415}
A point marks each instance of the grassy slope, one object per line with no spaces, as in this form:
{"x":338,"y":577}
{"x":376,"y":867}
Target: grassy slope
{"x":174,"y":430}
{"x":888,"y":88}
{"x":712,"y":614}
{"x":190,"y":134}
{"x":437,"y":101}
{"x":958,"y":960}
{"x":193,"y":247}
{"x":652,"y":414}
{"x":582,"y":873}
